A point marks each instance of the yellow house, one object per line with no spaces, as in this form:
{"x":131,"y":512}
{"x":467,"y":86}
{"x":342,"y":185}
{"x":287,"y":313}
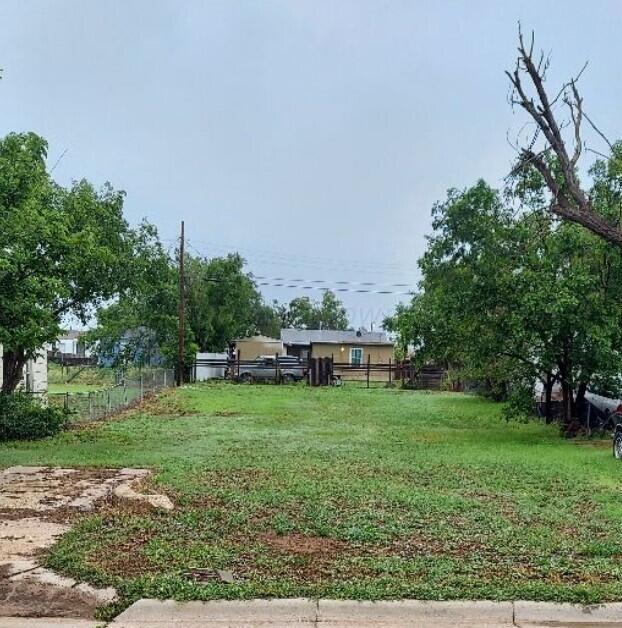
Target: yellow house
{"x":254,"y":346}
{"x":345,"y":347}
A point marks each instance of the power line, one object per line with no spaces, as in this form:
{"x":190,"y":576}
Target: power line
{"x":302,"y":260}
{"x":314,"y":287}
{"x":292,"y":283}
{"x":336,"y":282}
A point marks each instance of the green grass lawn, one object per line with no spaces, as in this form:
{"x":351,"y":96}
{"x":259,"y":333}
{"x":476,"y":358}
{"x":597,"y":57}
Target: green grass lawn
{"x":346,"y":492}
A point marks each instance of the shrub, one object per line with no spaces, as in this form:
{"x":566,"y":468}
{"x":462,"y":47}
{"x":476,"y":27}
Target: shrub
{"x":520,"y":405}
{"x":25,"y":418}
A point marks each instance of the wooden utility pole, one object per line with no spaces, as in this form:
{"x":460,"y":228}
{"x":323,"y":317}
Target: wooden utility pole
{"x":182,"y":311}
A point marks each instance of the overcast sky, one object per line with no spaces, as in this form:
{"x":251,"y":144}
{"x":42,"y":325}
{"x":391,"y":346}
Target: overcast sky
{"x":312,"y":136}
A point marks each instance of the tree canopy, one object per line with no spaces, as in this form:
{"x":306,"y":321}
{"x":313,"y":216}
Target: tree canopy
{"x":303,"y":313}
{"x":222,"y":303}
{"x":63,"y":251}
{"x":510,"y":295}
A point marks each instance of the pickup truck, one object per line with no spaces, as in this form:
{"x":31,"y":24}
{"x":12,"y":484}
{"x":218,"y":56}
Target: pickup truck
{"x":291,"y":370}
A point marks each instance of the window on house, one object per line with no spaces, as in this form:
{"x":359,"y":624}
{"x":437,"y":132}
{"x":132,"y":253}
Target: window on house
{"x":356,"y":355}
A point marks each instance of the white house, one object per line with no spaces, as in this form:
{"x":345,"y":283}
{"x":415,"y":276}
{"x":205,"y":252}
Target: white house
{"x":35,"y":373}
{"x":71,"y":344}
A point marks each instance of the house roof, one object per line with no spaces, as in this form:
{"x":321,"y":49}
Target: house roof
{"x":333,"y":336}
{"x":257,"y":339}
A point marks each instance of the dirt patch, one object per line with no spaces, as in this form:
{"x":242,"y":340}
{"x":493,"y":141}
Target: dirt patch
{"x":165,"y":404}
{"x":302,"y":544}
{"x":226,"y":413}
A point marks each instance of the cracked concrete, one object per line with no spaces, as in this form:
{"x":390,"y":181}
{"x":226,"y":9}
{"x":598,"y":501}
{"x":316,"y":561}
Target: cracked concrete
{"x":37,"y":506}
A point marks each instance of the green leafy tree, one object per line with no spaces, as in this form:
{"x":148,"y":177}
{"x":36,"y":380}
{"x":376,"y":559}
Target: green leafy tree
{"x":268,"y":320}
{"x":222,"y":303}
{"x":303,"y":313}
{"x":511,"y":296}
{"x":62,"y":251}
{"x":141,"y":326}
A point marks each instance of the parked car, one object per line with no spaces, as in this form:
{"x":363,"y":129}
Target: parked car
{"x":291,"y":370}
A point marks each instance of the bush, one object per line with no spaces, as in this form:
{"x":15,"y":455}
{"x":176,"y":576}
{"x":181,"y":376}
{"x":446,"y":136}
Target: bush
{"x":520,"y":405}
{"x":25,"y":418}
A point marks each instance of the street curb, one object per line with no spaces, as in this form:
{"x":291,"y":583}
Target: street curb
{"x":349,"y":611}
{"x":547,"y":612}
{"x":150,"y":612}
{"x":302,"y":611}
{"x":48,"y":622}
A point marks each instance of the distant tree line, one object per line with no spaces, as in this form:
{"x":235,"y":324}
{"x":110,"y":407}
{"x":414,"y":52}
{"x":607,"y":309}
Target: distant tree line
{"x":68,"y":252}
{"x":222,"y":303}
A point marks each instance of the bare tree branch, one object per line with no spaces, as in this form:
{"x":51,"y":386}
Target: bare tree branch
{"x":602,"y":135}
{"x":569,"y":200}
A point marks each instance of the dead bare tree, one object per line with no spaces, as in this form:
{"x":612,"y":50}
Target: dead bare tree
{"x":568,"y":199}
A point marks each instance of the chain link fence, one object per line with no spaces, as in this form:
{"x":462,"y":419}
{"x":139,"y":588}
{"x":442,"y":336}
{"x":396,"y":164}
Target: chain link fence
{"x":129,"y":390}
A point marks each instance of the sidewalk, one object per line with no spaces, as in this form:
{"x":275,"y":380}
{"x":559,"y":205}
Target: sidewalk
{"x":343,"y":614}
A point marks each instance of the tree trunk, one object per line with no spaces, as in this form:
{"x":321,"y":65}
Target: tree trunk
{"x":13,"y":362}
{"x":548,"y":394}
{"x":567,"y":405}
{"x":565,"y":378}
{"x":580,"y":399}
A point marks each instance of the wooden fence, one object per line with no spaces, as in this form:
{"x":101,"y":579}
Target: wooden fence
{"x":322,"y":371}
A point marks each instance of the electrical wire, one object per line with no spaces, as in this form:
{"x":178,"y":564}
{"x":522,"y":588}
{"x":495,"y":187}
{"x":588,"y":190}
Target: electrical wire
{"x":335,"y":282}
{"x":310,"y":287}
{"x":271,"y":257}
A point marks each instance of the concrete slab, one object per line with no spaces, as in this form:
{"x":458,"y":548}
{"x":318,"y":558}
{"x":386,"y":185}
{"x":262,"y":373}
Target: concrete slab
{"x":44,"y":576}
{"x":551,"y":614}
{"x":125,"y":492}
{"x":103,"y":596}
{"x":415,"y":613}
{"x":37,"y":506}
{"x":21,"y":539}
{"x":288,"y":612}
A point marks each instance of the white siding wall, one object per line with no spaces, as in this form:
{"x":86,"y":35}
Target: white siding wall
{"x":204,"y":373}
{"x":35,"y":372}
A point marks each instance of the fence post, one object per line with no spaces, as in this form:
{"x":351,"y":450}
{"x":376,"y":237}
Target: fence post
{"x":164,"y":383}
{"x":390,"y":374}
{"x":238,"y":361}
{"x":90,"y":405}
{"x":368,"y":360}
{"x":142,"y":392}
{"x":66,"y":402}
{"x":277,"y":379}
